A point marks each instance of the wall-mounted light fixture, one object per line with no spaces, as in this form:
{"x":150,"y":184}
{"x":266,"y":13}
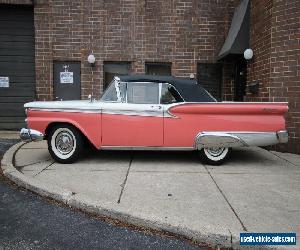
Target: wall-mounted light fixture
{"x":253,"y":88}
{"x":91,"y":59}
{"x":248,"y":54}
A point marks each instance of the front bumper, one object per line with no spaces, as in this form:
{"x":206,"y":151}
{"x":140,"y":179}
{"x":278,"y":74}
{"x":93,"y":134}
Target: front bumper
{"x":28,"y":135}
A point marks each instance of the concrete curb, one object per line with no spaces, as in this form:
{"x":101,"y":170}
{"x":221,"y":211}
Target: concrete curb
{"x":112,"y":210}
{"x":43,"y":189}
{"x":84,"y":203}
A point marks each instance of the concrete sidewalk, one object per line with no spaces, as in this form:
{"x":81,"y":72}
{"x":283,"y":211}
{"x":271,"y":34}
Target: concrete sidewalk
{"x":255,"y":191}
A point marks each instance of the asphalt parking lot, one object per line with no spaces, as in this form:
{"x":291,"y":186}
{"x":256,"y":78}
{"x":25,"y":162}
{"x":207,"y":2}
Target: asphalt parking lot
{"x":255,"y":191}
{"x":28,"y":221}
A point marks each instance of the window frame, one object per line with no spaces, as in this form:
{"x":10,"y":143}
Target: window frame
{"x":149,"y":65}
{"x":159,"y":91}
{"x":117,"y":82}
{"x":172,"y":86}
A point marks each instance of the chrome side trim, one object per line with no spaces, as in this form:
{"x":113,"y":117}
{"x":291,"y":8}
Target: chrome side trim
{"x":152,"y":113}
{"x":239,"y":139}
{"x":67,"y":110}
{"x":28,"y":135}
{"x":147,"y":148}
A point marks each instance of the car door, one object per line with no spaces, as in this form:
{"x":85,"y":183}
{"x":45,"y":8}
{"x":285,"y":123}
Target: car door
{"x":174,"y":134}
{"x":136,"y":119}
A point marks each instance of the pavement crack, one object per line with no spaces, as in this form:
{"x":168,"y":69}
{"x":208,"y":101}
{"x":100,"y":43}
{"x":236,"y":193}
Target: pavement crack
{"x":282,"y":158}
{"x":231,"y":207}
{"x":125,"y":180}
{"x":27,"y":165}
{"x":231,"y":240}
{"x":44,"y":168}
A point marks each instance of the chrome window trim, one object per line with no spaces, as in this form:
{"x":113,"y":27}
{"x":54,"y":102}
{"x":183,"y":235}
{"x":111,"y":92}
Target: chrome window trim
{"x":159,"y":93}
{"x":117,"y":87}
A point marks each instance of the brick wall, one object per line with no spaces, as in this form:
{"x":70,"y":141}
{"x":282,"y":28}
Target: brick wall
{"x":182,"y":32}
{"x":285,"y":65}
{"x":260,"y":42}
{"x":275,"y":40}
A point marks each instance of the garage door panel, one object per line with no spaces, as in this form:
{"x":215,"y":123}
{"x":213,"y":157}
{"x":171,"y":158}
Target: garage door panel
{"x":18,"y":45}
{"x":17,"y":62}
{"x":9,"y":31}
{"x":10,"y":92}
{"x":12,"y":110}
{"x":22,"y":79}
{"x":16,"y":38}
{"x":18,"y":68}
{"x":17,"y":58}
{"x":15,"y":99}
{"x":16,"y":52}
{"x":16,"y":25}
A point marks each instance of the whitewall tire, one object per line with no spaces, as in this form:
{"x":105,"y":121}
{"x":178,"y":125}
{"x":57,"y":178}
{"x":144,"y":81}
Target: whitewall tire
{"x":215,"y":156}
{"x":65,"y":143}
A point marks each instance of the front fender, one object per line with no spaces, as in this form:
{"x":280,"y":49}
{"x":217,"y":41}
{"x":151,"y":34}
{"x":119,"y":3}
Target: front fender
{"x":87,"y":123}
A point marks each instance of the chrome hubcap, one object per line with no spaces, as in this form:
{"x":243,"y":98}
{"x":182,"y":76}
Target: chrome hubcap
{"x":64,"y":142}
{"x":215,"y":152}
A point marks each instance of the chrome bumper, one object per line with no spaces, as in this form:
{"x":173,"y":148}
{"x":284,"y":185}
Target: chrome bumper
{"x":29,"y":135}
{"x":283,"y":136}
{"x":239,"y":139}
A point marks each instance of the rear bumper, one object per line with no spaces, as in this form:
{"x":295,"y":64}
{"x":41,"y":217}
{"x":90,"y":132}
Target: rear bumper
{"x":28,"y":135}
{"x":283,"y":136}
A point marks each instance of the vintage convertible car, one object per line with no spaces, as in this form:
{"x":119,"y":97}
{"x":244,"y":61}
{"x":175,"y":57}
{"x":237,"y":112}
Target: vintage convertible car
{"x":154,"y":113}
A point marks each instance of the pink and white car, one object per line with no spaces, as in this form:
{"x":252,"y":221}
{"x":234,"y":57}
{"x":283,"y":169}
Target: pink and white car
{"x":154,"y":113}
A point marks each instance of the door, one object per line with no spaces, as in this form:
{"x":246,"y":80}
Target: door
{"x":17,"y":64}
{"x":134,"y":118}
{"x":66,"y":80}
{"x":240,"y":80}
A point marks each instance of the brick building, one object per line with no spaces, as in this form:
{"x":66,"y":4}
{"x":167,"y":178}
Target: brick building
{"x":178,"y":37}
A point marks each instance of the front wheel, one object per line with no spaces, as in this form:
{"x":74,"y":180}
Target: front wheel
{"x":215,"y":156}
{"x":65,"y":143}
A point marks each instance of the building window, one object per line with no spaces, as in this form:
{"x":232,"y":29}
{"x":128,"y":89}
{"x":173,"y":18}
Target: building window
{"x":112,"y":69}
{"x":159,"y":69}
{"x":209,"y":75}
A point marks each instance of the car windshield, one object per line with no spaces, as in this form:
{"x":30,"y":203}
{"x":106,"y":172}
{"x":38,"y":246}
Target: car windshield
{"x":110,"y":94}
{"x":116,"y":92}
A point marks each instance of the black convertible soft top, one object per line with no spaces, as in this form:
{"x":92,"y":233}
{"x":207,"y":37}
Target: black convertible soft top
{"x":189,"y":89}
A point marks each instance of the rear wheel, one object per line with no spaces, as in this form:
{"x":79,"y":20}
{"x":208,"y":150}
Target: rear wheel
{"x":215,"y":156}
{"x":65,"y":143}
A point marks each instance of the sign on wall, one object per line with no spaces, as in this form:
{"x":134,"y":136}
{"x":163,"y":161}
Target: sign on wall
{"x":4,"y":82}
{"x":66,"y":77}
